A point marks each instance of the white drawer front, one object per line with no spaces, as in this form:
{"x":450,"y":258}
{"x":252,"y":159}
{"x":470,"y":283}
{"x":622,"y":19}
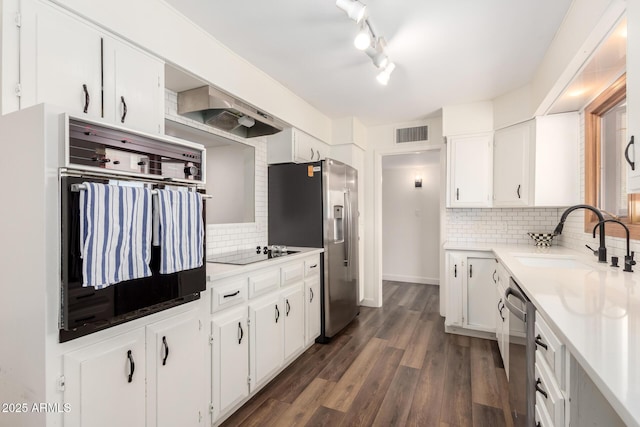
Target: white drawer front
{"x":549,"y":348}
{"x":229,"y":294}
{"x":292,"y":273}
{"x":312,"y":266}
{"x":264,"y":282}
{"x":554,"y":400}
{"x":542,"y":417}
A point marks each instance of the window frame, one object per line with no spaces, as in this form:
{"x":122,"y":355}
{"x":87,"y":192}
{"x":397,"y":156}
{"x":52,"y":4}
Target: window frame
{"x":593,"y":113}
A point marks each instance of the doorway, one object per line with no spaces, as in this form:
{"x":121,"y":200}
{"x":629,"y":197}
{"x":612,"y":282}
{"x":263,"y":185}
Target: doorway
{"x":411,"y":184}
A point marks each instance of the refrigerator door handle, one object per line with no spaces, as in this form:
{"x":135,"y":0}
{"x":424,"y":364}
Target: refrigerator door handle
{"x":347,"y":229}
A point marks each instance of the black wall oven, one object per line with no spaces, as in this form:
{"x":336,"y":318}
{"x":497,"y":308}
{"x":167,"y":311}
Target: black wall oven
{"x":103,"y":155}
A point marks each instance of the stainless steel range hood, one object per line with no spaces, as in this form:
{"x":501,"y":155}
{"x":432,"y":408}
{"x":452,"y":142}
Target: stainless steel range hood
{"x":211,"y":106}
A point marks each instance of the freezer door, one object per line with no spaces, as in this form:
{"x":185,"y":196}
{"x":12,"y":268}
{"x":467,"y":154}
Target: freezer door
{"x":340,"y":284}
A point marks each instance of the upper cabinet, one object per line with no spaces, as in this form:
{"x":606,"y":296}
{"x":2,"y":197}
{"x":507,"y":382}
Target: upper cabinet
{"x":74,"y":65}
{"x":535,"y":163}
{"x":293,"y":145}
{"x":469,"y":172}
{"x":511,"y":165}
{"x":633,"y":97}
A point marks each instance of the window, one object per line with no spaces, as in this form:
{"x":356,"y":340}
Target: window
{"x":605,"y":168}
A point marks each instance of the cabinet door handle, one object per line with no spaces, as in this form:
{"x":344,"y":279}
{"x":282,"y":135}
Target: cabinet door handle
{"x":541,"y":343}
{"x":166,"y":350}
{"x":494,"y":276}
{"x":288,"y":309}
{"x":455,"y":270}
{"x":626,"y":154}
{"x":310,"y":295}
{"x":501,"y":316}
{"x":540,"y":389}
{"x":518,"y":190}
{"x":132,"y":365}
{"x":277,"y":313}
{"x":124,"y":109}
{"x":86,"y":98}
{"x":231,"y":295}
{"x":312,"y":153}
{"x":470,"y":270}
{"x":240,"y":333}
{"x":457,"y":194}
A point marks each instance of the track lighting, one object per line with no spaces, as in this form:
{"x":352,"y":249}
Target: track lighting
{"x":354,"y":9}
{"x":366,"y":39}
{"x":383,"y":76}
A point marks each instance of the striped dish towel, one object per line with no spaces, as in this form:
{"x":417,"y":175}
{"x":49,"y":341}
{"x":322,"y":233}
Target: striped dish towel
{"x":181,"y":233}
{"x":115,"y":233}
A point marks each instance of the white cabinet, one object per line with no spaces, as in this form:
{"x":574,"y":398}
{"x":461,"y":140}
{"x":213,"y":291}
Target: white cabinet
{"x":469,"y":176}
{"x":105,"y":382}
{"x":536,"y":163}
{"x":69,"y":63}
{"x":312,"y":311}
{"x":230,"y":359}
{"x":471,"y":291}
{"x":134,"y":87}
{"x":511,"y":165}
{"x":633,"y":95}
{"x":502,"y":316}
{"x":176,"y":388}
{"x":266,"y":338}
{"x":293,"y":145}
{"x":293,"y":304}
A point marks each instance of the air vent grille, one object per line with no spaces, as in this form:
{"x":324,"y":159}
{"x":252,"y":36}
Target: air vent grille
{"x":412,"y":134}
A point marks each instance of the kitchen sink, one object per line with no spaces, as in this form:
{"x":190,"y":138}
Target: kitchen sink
{"x":548,"y":261}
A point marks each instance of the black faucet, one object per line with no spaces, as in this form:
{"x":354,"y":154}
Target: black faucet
{"x":628,"y":258}
{"x":602,"y":250}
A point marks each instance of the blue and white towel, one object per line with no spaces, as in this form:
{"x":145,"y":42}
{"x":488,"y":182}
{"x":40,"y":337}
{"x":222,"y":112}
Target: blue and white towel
{"x":115,"y":234}
{"x":181,"y":230}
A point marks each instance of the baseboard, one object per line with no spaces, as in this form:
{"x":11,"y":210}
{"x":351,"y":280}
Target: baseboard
{"x":369,"y":302}
{"x":411,"y":279}
{"x":469,"y":332}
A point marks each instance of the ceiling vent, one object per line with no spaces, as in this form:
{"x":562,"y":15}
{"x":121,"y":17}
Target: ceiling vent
{"x":412,"y":134}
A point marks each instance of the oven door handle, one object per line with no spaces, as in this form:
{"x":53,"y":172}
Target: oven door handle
{"x":522,"y":315}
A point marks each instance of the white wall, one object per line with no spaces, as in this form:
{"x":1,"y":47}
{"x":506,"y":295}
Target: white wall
{"x":464,"y":119}
{"x":411,"y":224}
{"x":513,"y":107}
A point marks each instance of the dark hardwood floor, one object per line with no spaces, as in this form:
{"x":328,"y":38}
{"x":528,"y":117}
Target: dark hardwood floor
{"x":393,"y":366}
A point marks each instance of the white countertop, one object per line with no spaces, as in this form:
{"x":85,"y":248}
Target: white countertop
{"x":595,"y":311}
{"x":217,"y":271}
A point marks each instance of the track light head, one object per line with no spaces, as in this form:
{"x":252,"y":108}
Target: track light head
{"x":353,"y":8}
{"x":363,"y":38}
{"x":385,"y":74}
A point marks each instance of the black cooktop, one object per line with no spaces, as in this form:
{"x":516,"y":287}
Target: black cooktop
{"x":248,"y":256}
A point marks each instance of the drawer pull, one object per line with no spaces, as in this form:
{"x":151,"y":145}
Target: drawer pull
{"x":231,"y":295}
{"x":539,"y":389}
{"x":313,"y":266}
{"x":540,"y":342}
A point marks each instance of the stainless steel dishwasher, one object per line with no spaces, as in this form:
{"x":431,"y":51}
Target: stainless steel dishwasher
{"x":521,"y":356}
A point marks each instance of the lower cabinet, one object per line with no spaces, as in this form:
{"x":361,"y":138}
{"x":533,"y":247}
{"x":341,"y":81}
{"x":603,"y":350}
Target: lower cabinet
{"x":105,"y":383}
{"x":266,"y":336}
{"x":312,"y":318}
{"x":293,"y":303}
{"x":230,"y":359}
{"x":176,"y":388}
{"x":471,"y":290}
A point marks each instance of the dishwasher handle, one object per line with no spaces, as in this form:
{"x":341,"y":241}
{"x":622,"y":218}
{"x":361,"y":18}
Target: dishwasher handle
{"x":520,"y":314}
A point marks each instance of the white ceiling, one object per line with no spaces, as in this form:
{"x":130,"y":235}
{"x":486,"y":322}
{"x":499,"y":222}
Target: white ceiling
{"x":446,"y":52}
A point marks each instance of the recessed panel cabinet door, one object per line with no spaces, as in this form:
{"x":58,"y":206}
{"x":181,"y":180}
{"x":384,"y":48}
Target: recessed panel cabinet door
{"x":511,"y":160}
{"x":633,"y":97}
{"x":230,"y":359}
{"x":176,"y":386}
{"x":469,"y":161}
{"x":293,"y":304}
{"x":312,"y":314}
{"x":134,"y":88}
{"x":63,"y":57}
{"x":105,"y":383}
{"x":266,"y":338}
{"x":479,"y":296}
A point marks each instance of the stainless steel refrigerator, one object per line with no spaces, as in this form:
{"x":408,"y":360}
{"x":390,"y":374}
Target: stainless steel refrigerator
{"x":316,"y":205}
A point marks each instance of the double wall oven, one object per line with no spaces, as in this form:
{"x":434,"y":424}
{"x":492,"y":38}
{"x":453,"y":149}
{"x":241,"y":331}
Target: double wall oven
{"x":96,"y":153}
